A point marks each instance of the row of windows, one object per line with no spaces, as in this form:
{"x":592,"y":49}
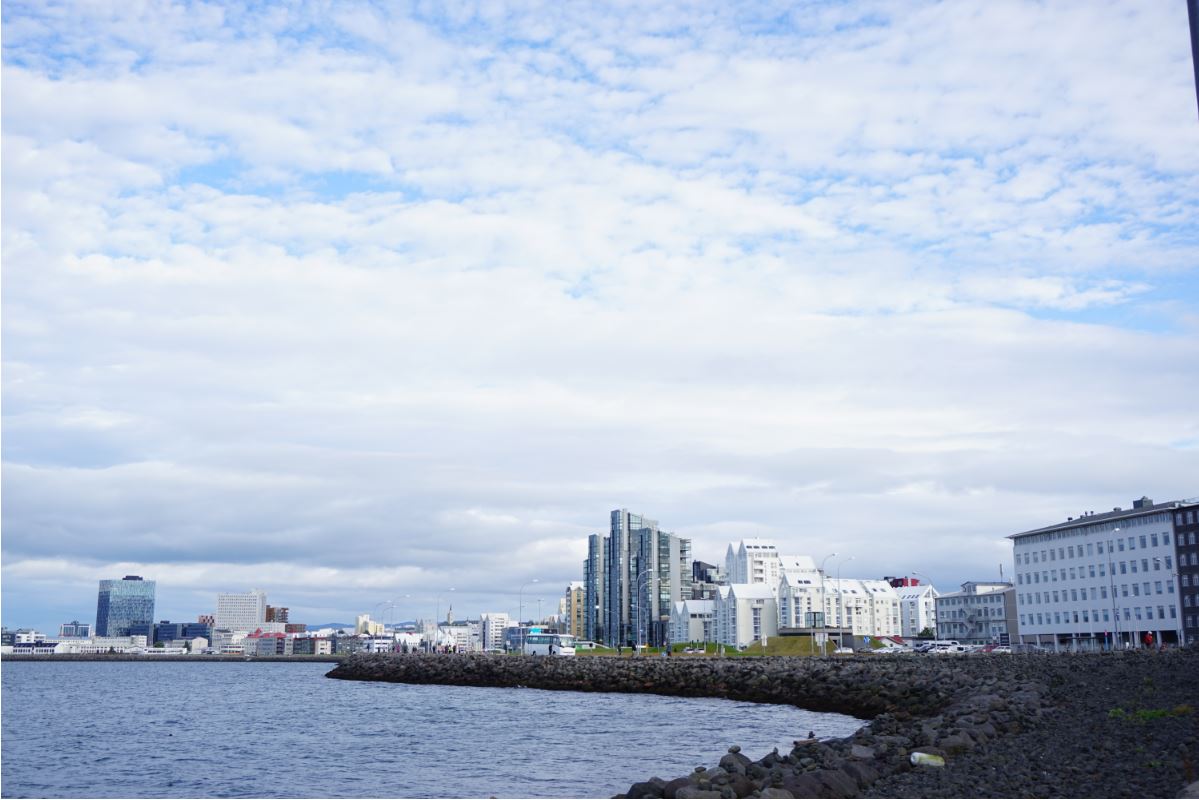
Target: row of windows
{"x":1074,"y":595}
{"x":1185,"y":518}
{"x":1100,"y":569}
{"x":1093,"y":615}
{"x":1072,"y":551}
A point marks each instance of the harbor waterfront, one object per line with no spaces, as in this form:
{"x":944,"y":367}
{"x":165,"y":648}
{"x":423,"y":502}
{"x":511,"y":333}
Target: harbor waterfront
{"x":133,"y":727}
{"x":1062,"y":725}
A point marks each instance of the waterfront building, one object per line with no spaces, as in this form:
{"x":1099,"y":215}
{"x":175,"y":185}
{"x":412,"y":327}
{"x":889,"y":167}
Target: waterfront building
{"x":745,"y":613}
{"x":1103,"y":580}
{"x":646,"y":571}
{"x":1186,"y":555}
{"x":693,"y":621}
{"x":365,"y":624}
{"x":800,"y":594}
{"x":267,"y":644}
{"x":866,"y":607}
{"x":752,"y":561}
{"x":74,"y":630}
{"x":122,"y":604}
{"x":277,"y":614}
{"x":917,"y":606}
{"x":594,"y":579}
{"x":572,"y":609}
{"x":983,"y":612}
{"x":492,"y":626}
{"x":167,"y":631}
{"x":240,"y":611}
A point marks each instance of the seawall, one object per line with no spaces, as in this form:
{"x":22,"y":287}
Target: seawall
{"x":1004,"y":725}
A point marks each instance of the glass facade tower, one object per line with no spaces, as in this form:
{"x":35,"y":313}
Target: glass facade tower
{"x":123,"y":604}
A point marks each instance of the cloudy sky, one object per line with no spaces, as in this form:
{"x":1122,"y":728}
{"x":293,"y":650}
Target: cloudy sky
{"x":353,"y":302}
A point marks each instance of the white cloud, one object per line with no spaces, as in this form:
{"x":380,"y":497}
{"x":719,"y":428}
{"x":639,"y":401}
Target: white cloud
{"x":359,"y":303}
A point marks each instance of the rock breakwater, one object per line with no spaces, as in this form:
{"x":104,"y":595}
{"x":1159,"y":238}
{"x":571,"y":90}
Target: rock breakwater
{"x":1004,"y":725}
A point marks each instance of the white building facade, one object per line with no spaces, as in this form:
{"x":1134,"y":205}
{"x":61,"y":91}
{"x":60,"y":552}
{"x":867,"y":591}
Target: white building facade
{"x":745,"y":613}
{"x":245,"y":611}
{"x":752,"y":561}
{"x":492,"y":626}
{"x":981,"y":613}
{"x":693,"y":621}
{"x":1100,"y":581}
{"x":917,"y":609}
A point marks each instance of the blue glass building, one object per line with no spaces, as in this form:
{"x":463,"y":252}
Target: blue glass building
{"x":124,"y":604}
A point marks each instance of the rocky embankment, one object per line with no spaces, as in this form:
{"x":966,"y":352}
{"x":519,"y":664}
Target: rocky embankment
{"x":1000,"y":726}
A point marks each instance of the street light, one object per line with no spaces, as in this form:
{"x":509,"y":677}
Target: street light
{"x":824,"y":605}
{"x":841,"y":605}
{"x":1111,"y":574}
{"x":521,"y":612}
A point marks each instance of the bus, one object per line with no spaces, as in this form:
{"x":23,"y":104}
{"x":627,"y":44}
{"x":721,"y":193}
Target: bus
{"x":549,"y":644}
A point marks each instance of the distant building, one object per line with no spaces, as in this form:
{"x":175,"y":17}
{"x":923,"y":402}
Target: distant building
{"x":693,"y":621}
{"x":243,"y":611}
{"x":594,"y":580}
{"x":1099,"y":581}
{"x":646,"y":570}
{"x":917,"y":606}
{"x":74,"y":630}
{"x":704,"y":580}
{"x":277,"y":614}
{"x":983,"y":612}
{"x":752,"y":561}
{"x":745,"y":613}
{"x":167,"y":631}
{"x":365,"y":624}
{"x":573,"y":609}
{"x":122,"y":604}
{"x":492,"y":627}
{"x":1186,"y":545}
{"x":207,"y":619}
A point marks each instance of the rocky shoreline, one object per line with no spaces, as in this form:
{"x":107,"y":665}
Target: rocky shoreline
{"x":1095,"y":725}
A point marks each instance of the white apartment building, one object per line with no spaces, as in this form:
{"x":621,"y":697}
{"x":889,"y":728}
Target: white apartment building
{"x":364,"y":624}
{"x":917,"y":609}
{"x":983,"y":612}
{"x":745,"y":612}
{"x":491,"y":629}
{"x":693,"y":621}
{"x":1100,"y":581}
{"x":245,"y":611}
{"x":799,"y":593}
{"x":865,"y":607}
{"x":752,"y":561}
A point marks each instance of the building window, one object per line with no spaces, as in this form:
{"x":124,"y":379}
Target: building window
{"x":1169,"y":562}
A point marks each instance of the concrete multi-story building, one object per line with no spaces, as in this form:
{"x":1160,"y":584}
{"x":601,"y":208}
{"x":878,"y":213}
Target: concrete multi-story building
{"x":75,"y":630}
{"x":646,"y":571}
{"x":693,"y":621}
{"x":752,"y":561}
{"x":983,"y":612}
{"x":244,"y":611}
{"x":491,"y":630}
{"x":865,"y":607}
{"x":572,"y":609}
{"x":704,"y":580}
{"x":917,"y":606}
{"x":1186,"y":554}
{"x":122,"y":604}
{"x":1106,"y":580}
{"x":745,"y":613}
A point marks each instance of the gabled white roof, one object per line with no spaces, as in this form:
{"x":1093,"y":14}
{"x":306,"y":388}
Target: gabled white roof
{"x":751,"y":591}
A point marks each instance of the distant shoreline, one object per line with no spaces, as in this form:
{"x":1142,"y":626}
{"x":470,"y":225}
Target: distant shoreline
{"x":190,"y":659}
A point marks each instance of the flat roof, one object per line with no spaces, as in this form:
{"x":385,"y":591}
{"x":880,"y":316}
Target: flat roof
{"x":1109,"y":516}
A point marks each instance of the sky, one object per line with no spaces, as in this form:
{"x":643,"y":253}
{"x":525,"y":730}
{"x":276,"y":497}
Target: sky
{"x":385,"y":307}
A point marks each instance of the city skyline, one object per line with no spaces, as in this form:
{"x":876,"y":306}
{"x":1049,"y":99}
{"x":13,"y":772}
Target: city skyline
{"x":347,"y":303}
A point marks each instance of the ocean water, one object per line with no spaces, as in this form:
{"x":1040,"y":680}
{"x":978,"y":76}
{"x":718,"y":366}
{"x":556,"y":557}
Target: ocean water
{"x":254,"y":729}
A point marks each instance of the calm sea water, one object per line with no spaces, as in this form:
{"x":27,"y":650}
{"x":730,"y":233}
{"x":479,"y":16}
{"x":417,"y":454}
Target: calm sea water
{"x":127,"y":729}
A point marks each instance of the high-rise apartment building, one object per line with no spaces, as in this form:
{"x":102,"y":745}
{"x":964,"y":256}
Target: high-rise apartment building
{"x":245,"y":611}
{"x":122,"y":604}
{"x":1099,"y":581}
{"x":645,"y":571}
{"x":594,"y":578}
{"x":1186,"y":547}
{"x":572,"y":609}
{"x":752,"y":561}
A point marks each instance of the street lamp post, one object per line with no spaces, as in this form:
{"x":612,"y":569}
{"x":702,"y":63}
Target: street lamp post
{"x":1111,"y":574}
{"x":824,"y":606}
{"x":841,"y":606}
{"x":521,"y":612}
